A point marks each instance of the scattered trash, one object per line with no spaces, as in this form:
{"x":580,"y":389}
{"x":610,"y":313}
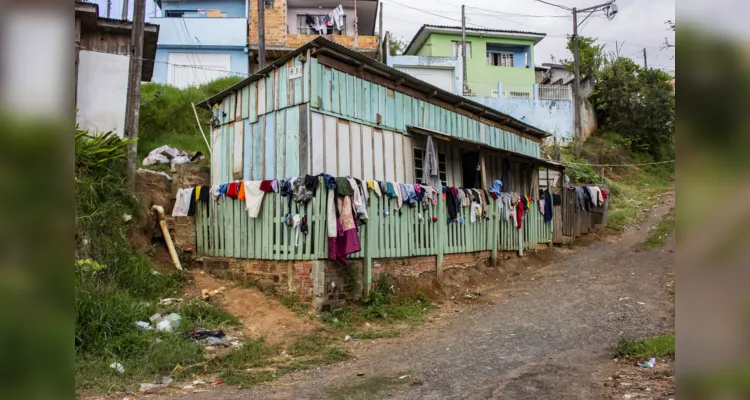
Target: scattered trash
{"x":117,"y":367}
{"x":127,"y":392}
{"x":650,"y":364}
{"x":346,"y":338}
{"x":126,"y":217}
{"x":641,"y":303}
{"x":201,"y":333}
{"x":155,"y":272}
{"x":403,"y":377}
{"x":171,"y":156}
{"x":218,"y":383}
{"x":169,"y":323}
{"x":148,"y":387}
{"x":162,"y":173}
{"x":143,"y":325}
{"x":623,"y":298}
{"x":360,"y":374}
{"x":169,"y":300}
{"x":205,"y":294}
{"x":176,"y":371}
{"x":166,"y":380}
{"x":198,"y":382}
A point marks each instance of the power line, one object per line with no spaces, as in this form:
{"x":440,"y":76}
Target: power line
{"x":555,"y":5}
{"x":424,"y":11}
{"x":517,"y":15}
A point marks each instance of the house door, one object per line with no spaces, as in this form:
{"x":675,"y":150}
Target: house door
{"x":471,"y":172}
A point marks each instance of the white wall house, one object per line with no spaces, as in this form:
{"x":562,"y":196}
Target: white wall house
{"x":102,"y":65}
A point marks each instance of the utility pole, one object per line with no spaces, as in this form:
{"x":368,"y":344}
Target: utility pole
{"x":576,"y":88}
{"x":125,"y":10}
{"x":261,"y":34}
{"x":380,"y":34}
{"x":463,"y":50}
{"x":133,"y":104}
{"x":109,"y":7}
{"x":645,"y":61}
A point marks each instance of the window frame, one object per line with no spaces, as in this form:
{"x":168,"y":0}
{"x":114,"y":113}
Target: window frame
{"x":456,"y":48}
{"x":302,"y":24}
{"x":442,"y":166}
{"x":501,"y":55}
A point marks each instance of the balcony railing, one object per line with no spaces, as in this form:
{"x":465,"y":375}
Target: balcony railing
{"x":512,"y":91}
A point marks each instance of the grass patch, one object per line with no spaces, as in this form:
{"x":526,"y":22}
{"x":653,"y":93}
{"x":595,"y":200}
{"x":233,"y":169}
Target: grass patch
{"x":294,"y":304}
{"x":657,"y":346}
{"x":364,"y":388}
{"x":671,"y":290}
{"x":658,"y":236}
{"x":381,"y":308}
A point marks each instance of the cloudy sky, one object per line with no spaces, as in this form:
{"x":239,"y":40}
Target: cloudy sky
{"x":639,"y":24}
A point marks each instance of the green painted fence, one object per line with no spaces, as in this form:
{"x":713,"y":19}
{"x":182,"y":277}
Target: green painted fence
{"x":223,"y":229}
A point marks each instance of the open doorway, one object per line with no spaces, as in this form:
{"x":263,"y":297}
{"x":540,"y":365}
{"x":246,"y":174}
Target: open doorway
{"x":472,"y":178}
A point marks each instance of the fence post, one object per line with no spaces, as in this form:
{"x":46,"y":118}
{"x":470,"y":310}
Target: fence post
{"x":495,"y":222}
{"x":441,"y":236}
{"x":536,"y":91}
{"x":500,"y":90}
{"x":370,"y":242}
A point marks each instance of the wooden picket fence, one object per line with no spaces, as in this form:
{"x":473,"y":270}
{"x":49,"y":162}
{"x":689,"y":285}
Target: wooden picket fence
{"x":223,"y":229}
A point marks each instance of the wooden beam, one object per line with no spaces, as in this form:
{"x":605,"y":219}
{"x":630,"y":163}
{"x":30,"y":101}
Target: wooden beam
{"x":432,"y":94}
{"x":399,"y":81}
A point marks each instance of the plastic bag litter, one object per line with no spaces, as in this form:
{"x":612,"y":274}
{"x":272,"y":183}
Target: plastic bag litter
{"x":117,"y":367}
{"x":162,"y":155}
{"x":650,"y":364}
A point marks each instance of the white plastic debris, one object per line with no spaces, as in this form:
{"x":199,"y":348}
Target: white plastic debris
{"x":126,"y":217}
{"x":117,"y":367}
{"x":143,"y":325}
{"x":346,"y":338}
{"x":161,"y":155}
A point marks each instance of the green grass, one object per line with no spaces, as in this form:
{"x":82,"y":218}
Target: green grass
{"x":658,"y":236}
{"x":657,"y":346}
{"x":365,"y":388}
{"x":294,"y":304}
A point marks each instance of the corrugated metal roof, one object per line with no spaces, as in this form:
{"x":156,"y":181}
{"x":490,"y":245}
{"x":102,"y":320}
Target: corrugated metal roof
{"x":321,"y":42}
{"x":512,"y":32}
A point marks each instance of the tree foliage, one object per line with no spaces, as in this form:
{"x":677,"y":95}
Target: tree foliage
{"x":590,"y":56}
{"x":638,"y":104}
{"x":396,"y":46}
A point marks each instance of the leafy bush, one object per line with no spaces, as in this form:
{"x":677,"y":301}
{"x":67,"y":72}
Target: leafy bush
{"x":166,"y":116}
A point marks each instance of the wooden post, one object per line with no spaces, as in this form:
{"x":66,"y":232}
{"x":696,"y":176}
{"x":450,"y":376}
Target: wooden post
{"x":495,"y":221}
{"x":133,"y":103}
{"x":370,"y":242}
{"x":442,"y":241}
{"x":261,"y":34}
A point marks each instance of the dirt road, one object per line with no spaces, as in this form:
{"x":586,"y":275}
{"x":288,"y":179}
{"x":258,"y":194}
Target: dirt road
{"x":549,"y":337}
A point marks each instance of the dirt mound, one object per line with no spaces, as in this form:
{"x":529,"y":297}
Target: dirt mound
{"x":259,"y":315}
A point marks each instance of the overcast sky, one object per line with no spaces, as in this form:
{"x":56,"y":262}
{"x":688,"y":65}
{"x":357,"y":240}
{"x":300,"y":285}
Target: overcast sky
{"x":638,"y":24}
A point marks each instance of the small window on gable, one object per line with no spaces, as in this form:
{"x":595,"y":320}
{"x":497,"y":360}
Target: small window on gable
{"x":268,"y":4}
{"x":419,"y":166}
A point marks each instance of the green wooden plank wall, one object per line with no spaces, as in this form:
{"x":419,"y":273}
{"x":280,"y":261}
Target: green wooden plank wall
{"x":228,"y":232}
{"x":363,"y":101}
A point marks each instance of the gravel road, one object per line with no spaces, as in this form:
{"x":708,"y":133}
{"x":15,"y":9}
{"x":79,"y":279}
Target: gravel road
{"x":544,"y":338}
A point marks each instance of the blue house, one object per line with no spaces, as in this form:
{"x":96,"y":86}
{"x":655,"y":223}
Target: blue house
{"x":200,"y":41}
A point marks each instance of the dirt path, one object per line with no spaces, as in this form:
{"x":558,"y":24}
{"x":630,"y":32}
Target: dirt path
{"x":548,"y":337}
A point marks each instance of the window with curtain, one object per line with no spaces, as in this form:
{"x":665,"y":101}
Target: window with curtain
{"x":456,"y":48}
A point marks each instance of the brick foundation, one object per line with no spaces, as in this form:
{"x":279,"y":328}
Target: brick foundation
{"x":466,"y":260}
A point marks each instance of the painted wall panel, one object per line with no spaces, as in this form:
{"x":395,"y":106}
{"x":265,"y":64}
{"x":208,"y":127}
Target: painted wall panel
{"x":248,"y":151}
{"x":398,"y":157}
{"x":317,"y":143}
{"x":378,"y":162}
{"x":258,"y":159}
{"x":408,"y":160}
{"x":330,"y":160}
{"x":292,"y":142}
{"x":280,"y":145}
{"x":344,"y":149}
{"x":388,"y":155}
{"x":261,"y":96}
{"x":237,"y":150}
{"x":357,"y":151}
{"x":270,"y":152}
{"x":368,"y":149}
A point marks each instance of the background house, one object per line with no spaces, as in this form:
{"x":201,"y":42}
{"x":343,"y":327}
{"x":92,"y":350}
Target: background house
{"x":102,"y":63}
{"x":203,"y":40}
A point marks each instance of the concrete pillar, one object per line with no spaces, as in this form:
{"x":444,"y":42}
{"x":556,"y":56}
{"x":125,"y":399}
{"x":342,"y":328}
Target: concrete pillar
{"x":500,"y":89}
{"x":536,"y":91}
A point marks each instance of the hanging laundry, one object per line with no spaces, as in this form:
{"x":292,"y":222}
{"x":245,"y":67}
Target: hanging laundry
{"x":302,"y":192}
{"x":375,"y":187}
{"x":430,"y":168}
{"x":451,"y":204}
{"x":345,"y":239}
{"x":476,"y":211}
{"x":362,"y":187}
{"x":214,"y":190}
{"x":200,"y":194}
{"x":182,"y":203}
{"x":266,"y":186}
{"x":548,"y":209}
{"x":604,"y":194}
{"x":241,"y":191}
{"x":233,"y":190}
{"x":359,"y":206}
{"x":519,"y":214}
{"x":496,"y":188}
{"x":399,"y":196}
{"x":253,"y":197}
{"x":343,"y":187}
{"x":580,"y":198}
{"x":337,"y":16}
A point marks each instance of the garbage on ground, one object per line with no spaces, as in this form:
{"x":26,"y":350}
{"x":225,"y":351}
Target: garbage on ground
{"x":176,"y":371}
{"x":213,"y":338}
{"x":168,"y":301}
{"x":218,"y":383}
{"x":149,"y":387}
{"x":650,"y":364}
{"x":171,"y":156}
{"x":205,"y":294}
{"x":117,"y":367}
{"x":162,"y":173}
{"x":166,"y":380}
{"x":346,"y":338}
{"x":168,"y":323}
{"x":403,"y":376}
{"x":143,"y":326}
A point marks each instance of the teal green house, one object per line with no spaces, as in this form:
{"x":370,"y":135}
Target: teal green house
{"x":492,"y":55}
